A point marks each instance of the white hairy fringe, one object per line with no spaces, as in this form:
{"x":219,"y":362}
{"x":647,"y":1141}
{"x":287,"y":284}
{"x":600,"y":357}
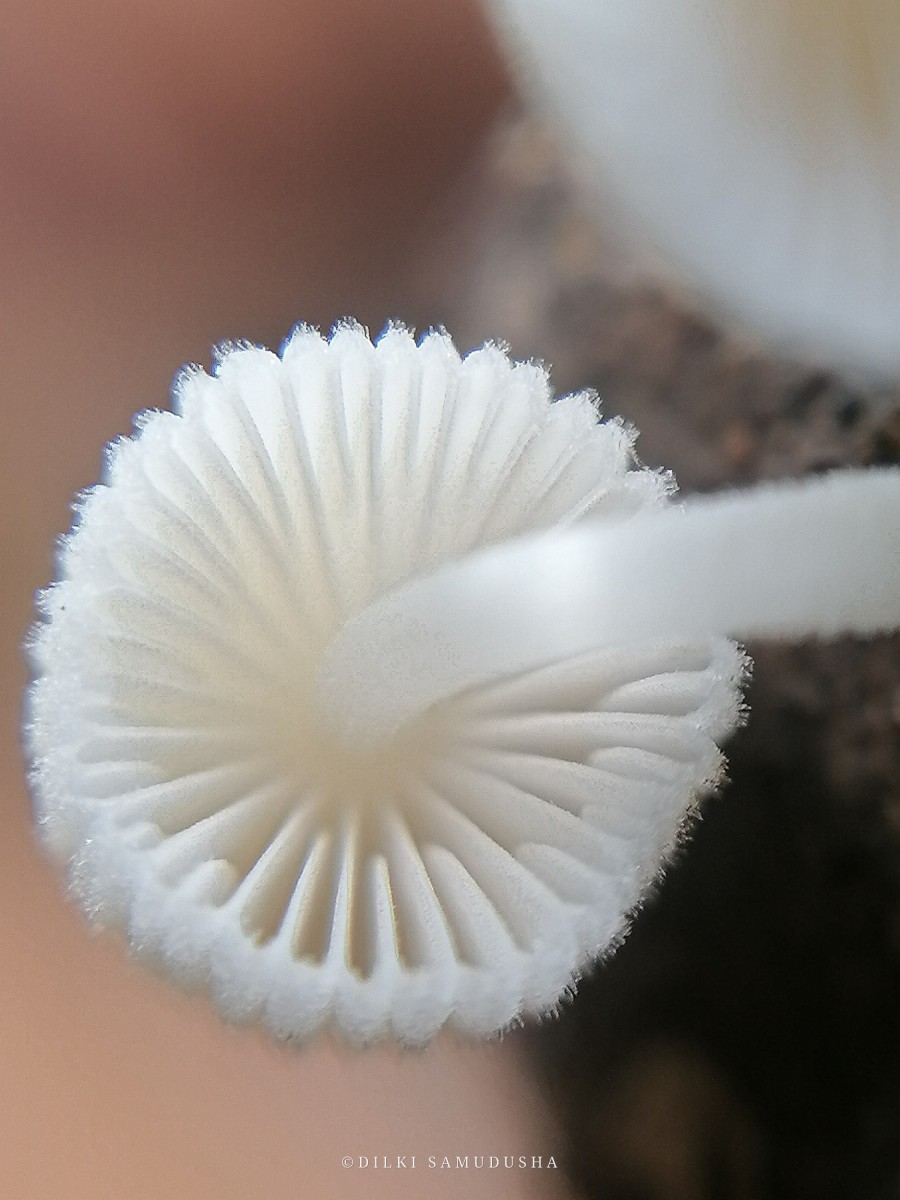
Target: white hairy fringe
{"x":465,"y":867}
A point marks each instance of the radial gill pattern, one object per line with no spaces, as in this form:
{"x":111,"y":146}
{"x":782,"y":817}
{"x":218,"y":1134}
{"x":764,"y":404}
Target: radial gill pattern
{"x":466,"y":870}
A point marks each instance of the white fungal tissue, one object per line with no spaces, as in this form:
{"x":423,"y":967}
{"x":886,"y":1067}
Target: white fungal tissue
{"x":322,"y":717}
{"x":755,"y":144}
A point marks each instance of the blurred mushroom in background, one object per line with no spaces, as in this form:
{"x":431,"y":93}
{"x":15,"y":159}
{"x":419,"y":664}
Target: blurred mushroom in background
{"x":753,"y":145}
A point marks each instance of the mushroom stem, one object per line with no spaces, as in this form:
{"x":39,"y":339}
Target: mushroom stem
{"x":791,"y":560}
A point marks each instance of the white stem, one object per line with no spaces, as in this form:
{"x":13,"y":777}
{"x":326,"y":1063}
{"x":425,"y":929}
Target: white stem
{"x":792,"y":560}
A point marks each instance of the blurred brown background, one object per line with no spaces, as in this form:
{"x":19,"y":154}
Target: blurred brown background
{"x":176,"y":174}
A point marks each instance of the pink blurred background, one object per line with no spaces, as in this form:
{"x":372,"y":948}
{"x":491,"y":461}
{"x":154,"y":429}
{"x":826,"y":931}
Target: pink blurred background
{"x":172,"y":174}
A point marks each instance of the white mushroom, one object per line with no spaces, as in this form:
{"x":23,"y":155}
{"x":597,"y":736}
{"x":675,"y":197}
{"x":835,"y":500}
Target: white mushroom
{"x":754,"y":143}
{"x":340,"y":709}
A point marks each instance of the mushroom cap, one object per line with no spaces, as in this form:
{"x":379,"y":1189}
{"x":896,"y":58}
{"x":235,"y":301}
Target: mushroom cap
{"x":465,"y":869}
{"x":754,"y":144}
